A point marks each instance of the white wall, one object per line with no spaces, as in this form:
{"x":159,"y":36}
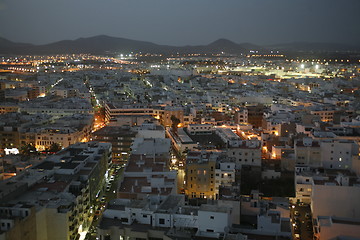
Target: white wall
{"x":339,"y":201}
{"x":216,"y":221}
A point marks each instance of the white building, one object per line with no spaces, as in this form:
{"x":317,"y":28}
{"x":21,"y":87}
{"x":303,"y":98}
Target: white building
{"x":338,"y":154}
{"x":247,"y":152}
{"x":159,"y":216}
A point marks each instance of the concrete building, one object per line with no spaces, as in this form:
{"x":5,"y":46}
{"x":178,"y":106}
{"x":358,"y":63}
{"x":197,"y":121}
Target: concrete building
{"x":308,"y":152}
{"x":56,"y":194}
{"x":200,"y":174}
{"x":245,"y":152}
{"x":163,"y":218}
{"x":147,"y":174}
{"x":56,"y":107}
{"x":338,"y":154}
{"x":318,"y":187}
{"x":328,"y":228}
{"x":121,"y":139}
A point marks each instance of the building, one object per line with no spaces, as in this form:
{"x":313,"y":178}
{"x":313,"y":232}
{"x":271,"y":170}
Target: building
{"x":245,"y":153}
{"x":317,"y":186}
{"x":328,"y":228}
{"x":112,"y":111}
{"x":147,"y":174}
{"x":54,"y":198}
{"x":200,"y":174}
{"x":163,"y":218}
{"x":121,"y":139}
{"x":308,"y":152}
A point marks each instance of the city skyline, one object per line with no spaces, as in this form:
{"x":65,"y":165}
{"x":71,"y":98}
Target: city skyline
{"x":182,"y":23}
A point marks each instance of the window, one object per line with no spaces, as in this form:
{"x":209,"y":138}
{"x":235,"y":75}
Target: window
{"x":144,"y":216}
{"x":161,"y":221}
{"x":211,"y":217}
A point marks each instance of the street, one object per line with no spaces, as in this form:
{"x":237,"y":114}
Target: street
{"x":104,"y":197}
{"x":301,"y":220}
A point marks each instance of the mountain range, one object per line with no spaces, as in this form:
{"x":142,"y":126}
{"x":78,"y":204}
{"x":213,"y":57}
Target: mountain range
{"x":103,"y":44}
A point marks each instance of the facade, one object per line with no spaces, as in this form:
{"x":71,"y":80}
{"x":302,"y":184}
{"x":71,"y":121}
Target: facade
{"x":200,"y":175}
{"x":8,"y":107}
{"x":255,"y":115}
{"x":308,"y":152}
{"x":120,"y":138}
{"x":338,"y":154}
{"x":168,"y":112}
{"x":112,"y":111}
{"x":199,"y":129}
{"x":245,"y":153}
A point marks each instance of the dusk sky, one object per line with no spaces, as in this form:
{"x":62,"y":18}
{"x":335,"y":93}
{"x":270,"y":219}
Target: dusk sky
{"x":184,"y":22}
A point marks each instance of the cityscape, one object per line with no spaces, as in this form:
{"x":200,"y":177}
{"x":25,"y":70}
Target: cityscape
{"x":105,"y":137}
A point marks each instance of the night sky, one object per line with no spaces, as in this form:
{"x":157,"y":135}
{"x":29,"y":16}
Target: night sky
{"x":184,"y":22}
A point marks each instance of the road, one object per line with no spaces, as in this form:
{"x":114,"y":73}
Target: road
{"x":109,"y":195}
{"x":301,"y":221}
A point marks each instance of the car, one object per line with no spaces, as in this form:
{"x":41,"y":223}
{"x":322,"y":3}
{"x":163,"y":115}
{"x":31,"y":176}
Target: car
{"x":309,"y":226}
{"x":296,"y":229}
{"x":296,"y":213}
{"x":103,"y":199}
{"x":108,"y":188}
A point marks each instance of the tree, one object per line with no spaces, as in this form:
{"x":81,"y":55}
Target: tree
{"x":28,"y":149}
{"x":175,"y":123}
{"x":55,"y":147}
